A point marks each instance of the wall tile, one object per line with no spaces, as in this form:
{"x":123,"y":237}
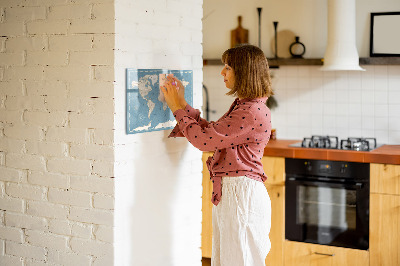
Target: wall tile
{"x":394,"y":123}
{"x":291,"y":71}
{"x":342,"y":81}
{"x":380,"y":71}
{"x":381,"y":97}
{"x":381,"y":136}
{"x":342,"y":122}
{"x":394,"y":137}
{"x":355,"y":96}
{"x":292,"y":82}
{"x":365,"y":99}
{"x":394,"y":97}
{"x":381,"y":83}
{"x":342,"y":109}
{"x":381,"y":110}
{"x":394,"y":110}
{"x":354,"y":83}
{"x":393,"y":71}
{"x":367,"y":96}
{"x":394,"y":82}
{"x":329,"y":109}
{"x":368,"y":123}
{"x":355,"y":132}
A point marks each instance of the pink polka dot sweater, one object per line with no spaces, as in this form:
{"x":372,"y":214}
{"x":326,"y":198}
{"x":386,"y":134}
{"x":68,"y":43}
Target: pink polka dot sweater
{"x":238,"y":139}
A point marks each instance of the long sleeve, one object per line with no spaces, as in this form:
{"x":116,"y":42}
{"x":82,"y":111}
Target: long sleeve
{"x":231,"y":130}
{"x":193,"y":113}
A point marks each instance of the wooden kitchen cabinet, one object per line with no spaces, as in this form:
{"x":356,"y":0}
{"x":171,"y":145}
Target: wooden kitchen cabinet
{"x":305,"y":254}
{"x":385,"y":178}
{"x":206,"y":225}
{"x":384,"y":237}
{"x":274,"y":168}
{"x":277,"y":233}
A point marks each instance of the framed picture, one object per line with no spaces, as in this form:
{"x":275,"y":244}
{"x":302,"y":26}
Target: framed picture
{"x":385,"y":34}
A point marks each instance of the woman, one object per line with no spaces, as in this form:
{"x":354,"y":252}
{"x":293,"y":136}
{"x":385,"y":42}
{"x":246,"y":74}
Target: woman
{"x":242,"y":208}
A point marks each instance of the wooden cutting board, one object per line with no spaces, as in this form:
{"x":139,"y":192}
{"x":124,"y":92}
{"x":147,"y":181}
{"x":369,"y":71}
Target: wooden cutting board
{"x":239,"y":35}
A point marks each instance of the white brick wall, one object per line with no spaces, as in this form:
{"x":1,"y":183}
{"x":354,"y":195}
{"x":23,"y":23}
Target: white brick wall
{"x":62,"y":138}
{"x":156,"y":177}
{"x":11,"y":233}
{"x":56,"y":132}
{"x":46,"y":240}
{"x":25,"y":251}
{"x":25,"y":221}
{"x":68,"y":258}
{"x":47,"y":210}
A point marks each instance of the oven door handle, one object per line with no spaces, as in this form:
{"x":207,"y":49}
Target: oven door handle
{"x":357,"y":185}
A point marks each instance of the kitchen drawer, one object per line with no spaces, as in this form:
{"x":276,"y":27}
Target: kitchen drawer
{"x":305,"y":254}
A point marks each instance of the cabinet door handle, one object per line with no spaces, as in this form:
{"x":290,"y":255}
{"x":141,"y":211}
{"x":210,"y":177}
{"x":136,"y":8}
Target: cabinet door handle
{"x":324,"y":254}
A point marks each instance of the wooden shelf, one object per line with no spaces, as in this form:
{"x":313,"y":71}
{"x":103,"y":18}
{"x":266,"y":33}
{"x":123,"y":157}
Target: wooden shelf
{"x":274,"y":63}
{"x":380,"y":61}
{"x":212,"y":62}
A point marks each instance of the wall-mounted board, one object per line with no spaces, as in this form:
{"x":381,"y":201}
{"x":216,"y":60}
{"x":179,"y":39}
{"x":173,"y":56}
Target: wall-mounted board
{"x":145,"y":109}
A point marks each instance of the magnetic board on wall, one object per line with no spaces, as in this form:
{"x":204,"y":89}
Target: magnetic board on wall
{"x":146,"y":109}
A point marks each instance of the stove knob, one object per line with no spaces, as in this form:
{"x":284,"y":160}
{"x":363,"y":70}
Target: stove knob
{"x":308,"y":167}
{"x":343,"y":168}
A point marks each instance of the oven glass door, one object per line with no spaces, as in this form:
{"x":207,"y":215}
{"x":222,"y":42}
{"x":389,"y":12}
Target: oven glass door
{"x":326,"y":207}
{"x":326,"y":213}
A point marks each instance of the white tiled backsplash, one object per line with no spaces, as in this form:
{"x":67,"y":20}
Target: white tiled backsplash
{"x":314,"y":102}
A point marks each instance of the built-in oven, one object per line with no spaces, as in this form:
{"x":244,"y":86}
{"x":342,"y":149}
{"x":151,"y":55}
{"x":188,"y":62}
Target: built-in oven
{"x":327,"y":202}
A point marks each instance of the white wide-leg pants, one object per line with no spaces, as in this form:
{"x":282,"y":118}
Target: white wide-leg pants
{"x":241,"y":223}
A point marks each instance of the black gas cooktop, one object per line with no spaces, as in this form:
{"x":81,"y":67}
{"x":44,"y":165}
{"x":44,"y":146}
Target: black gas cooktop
{"x":332,"y":142}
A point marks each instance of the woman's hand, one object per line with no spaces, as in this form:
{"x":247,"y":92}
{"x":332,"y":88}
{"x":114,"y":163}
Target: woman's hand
{"x":181,"y":91}
{"x":174,"y":94}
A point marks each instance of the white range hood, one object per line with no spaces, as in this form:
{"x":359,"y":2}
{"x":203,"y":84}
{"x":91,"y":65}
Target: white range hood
{"x":341,"y":51}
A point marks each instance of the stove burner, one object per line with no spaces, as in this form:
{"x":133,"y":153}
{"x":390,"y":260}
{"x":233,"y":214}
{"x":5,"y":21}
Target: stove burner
{"x":358,"y":144}
{"x":328,"y":142}
{"x":332,"y":142}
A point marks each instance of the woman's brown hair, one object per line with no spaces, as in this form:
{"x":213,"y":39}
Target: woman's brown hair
{"x":250,"y":66}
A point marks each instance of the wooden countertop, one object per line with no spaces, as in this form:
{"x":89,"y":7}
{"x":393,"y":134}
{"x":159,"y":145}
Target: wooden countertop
{"x":389,"y":154}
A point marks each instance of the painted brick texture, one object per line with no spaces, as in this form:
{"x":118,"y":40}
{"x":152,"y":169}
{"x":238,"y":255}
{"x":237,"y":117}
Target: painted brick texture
{"x":62,"y":135}
{"x":56,"y":132}
{"x":158,"y":180}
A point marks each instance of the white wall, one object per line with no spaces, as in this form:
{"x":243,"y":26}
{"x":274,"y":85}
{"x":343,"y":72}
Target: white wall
{"x":56,"y":132}
{"x":62,"y":135}
{"x":344,"y":103}
{"x":304,"y":18}
{"x":158,"y":180}
{"x":313,"y":102}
